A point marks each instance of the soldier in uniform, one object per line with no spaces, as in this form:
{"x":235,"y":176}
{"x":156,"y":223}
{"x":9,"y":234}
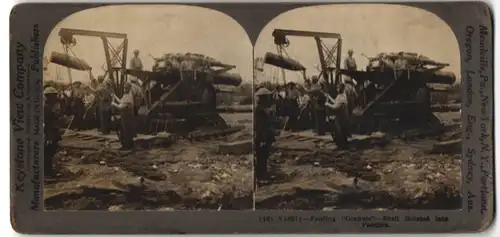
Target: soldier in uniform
{"x":318,"y":106}
{"x":292,"y":105}
{"x":351,"y":94}
{"x":400,"y":65}
{"x":138,"y":95}
{"x":350,"y":62}
{"x":263,"y":132}
{"x":105,"y":99}
{"x":125,"y":106}
{"x":51,"y":129}
{"x":307,"y":84}
{"x":78,"y":104}
{"x":338,"y":107}
{"x":135,"y":62}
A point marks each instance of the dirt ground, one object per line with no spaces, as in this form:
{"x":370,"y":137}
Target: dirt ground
{"x":95,"y":175}
{"x":377,"y":172}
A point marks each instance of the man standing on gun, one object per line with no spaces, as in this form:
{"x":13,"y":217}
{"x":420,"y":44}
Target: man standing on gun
{"x":350,"y":62}
{"x":400,"y":65}
{"x":264,"y":134}
{"x":135,"y":62}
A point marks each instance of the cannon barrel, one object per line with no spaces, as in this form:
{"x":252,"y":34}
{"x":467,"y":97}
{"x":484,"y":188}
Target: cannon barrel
{"x":437,"y":77}
{"x":442,"y":77}
{"x":230,"y":79}
{"x":282,"y":62}
{"x":69,"y":61}
{"x":411,"y":58}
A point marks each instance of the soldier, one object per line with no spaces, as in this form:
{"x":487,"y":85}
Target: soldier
{"x":351,"y":94}
{"x":135,"y":62}
{"x":350,"y":65}
{"x":137,"y":93}
{"x":125,"y":106}
{"x":51,"y":130}
{"x":78,"y":105}
{"x":209,"y":93}
{"x":307,"y":84}
{"x":292,"y":105}
{"x":100,"y":80}
{"x":105,"y":99}
{"x":350,"y":62}
{"x":263,"y":133}
{"x":338,"y":107}
{"x":400,"y":65}
{"x":318,"y":106}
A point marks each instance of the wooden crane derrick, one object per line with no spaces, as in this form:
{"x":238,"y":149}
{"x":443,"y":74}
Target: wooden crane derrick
{"x":329,"y":57}
{"x":115,"y":58}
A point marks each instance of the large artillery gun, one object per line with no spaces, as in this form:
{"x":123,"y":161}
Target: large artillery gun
{"x":393,"y":98}
{"x":389,"y":99}
{"x":180,"y":94}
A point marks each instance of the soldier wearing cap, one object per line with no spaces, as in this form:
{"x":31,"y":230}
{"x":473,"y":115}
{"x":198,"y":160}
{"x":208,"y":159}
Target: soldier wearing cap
{"x":400,"y":62}
{"x":78,"y":104}
{"x":318,"y":106}
{"x":350,"y":62}
{"x":350,"y":65}
{"x":137,"y":92}
{"x":51,"y":129}
{"x":135,"y":62}
{"x":338,"y":107}
{"x":400,"y":65}
{"x":351,"y":94}
{"x":105,"y":99}
{"x":125,"y":106}
{"x":263,"y":132}
{"x":209,"y":93}
{"x":292,"y":105}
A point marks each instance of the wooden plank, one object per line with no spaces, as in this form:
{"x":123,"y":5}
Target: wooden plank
{"x":452,"y":146}
{"x":236,"y":148}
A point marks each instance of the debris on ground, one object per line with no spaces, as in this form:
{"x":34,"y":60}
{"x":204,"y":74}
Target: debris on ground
{"x":310,"y":173}
{"x":178,"y":176}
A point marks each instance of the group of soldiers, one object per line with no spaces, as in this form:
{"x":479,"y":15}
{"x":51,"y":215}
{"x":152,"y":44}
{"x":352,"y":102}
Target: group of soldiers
{"x":332,"y":115}
{"x":312,"y":100}
{"x":103,"y":104}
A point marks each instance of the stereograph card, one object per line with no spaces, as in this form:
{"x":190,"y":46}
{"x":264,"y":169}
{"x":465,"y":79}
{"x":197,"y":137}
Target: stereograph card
{"x":251,"y":117}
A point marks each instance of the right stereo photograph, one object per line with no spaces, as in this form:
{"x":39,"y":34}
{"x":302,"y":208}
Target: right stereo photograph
{"x":357,"y":106}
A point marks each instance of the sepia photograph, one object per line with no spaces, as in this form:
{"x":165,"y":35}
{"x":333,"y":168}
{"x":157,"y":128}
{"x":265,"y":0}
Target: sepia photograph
{"x":358,"y":107}
{"x":148,"y":107}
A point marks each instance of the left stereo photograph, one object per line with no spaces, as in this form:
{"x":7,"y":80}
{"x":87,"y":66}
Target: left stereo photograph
{"x":148,"y":113}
